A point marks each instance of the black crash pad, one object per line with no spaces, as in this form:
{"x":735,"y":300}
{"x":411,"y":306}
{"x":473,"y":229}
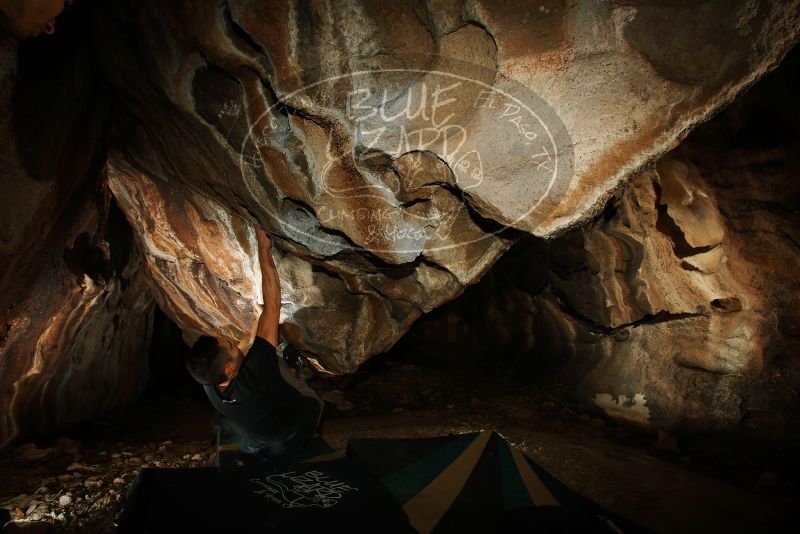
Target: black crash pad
{"x":328,"y":496}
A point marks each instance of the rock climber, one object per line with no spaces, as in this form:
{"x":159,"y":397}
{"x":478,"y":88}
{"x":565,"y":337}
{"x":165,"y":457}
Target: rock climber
{"x":270,"y":409}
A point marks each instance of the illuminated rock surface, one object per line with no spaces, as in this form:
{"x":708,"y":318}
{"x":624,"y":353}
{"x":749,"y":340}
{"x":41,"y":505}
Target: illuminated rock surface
{"x":381,"y":227}
{"x":677,"y":307}
{"x":395,"y":153}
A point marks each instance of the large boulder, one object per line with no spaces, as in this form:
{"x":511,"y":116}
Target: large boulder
{"x":676,"y":308}
{"x":395,"y":151}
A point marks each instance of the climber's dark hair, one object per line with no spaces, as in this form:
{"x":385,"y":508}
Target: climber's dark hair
{"x":206,"y":361}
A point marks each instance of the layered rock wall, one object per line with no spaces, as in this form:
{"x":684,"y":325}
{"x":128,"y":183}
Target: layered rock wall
{"x":677,"y":307}
{"x":396,"y":151}
{"x":75,"y":312}
{"x":655,"y":307}
{"x":76,"y":346}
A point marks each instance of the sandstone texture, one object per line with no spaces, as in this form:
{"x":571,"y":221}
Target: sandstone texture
{"x":677,"y":307}
{"x":395,"y":151}
{"x":75,"y":312}
{"x":76,"y":346}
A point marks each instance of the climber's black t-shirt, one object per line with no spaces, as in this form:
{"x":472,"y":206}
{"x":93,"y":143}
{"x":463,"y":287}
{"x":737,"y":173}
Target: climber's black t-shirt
{"x":259,"y":401}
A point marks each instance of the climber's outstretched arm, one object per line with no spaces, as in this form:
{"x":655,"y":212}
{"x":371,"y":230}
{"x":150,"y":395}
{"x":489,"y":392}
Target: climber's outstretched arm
{"x":267,"y":326}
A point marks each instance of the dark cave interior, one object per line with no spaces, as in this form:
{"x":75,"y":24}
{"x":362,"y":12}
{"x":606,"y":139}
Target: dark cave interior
{"x":644,"y":353}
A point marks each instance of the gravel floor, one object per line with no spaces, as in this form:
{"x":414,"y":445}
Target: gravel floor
{"x":78,"y":481}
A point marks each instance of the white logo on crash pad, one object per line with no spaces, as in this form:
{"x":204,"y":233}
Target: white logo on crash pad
{"x":302,"y":490}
